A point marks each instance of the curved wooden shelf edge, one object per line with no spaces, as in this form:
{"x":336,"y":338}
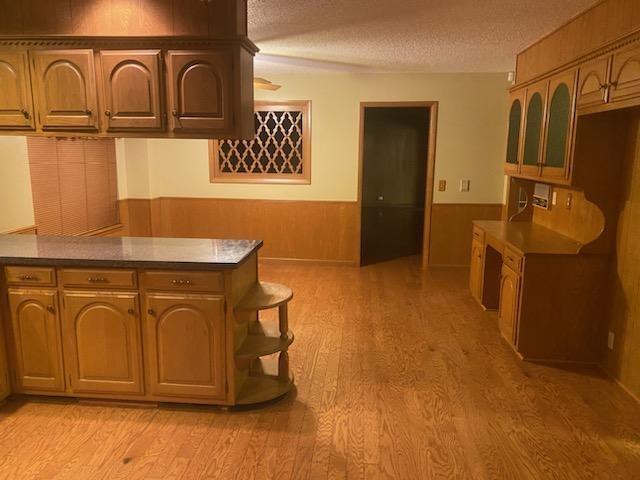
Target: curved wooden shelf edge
{"x":256,"y":346}
{"x":260,"y":389}
{"x":265,"y":295}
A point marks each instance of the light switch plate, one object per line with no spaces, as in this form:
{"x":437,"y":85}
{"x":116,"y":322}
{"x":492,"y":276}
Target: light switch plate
{"x":465,"y":185}
{"x":442,"y":186}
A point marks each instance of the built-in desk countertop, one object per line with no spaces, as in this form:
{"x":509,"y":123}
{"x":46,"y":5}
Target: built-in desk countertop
{"x":527,"y":238}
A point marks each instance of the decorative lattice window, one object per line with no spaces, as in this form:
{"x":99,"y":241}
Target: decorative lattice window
{"x":279,"y":153}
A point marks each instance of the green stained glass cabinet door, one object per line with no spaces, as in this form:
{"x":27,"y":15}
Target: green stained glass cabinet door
{"x":533,"y":130}
{"x":514,"y":135}
{"x":559,"y":120}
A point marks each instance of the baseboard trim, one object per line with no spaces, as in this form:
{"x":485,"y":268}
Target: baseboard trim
{"x":619,"y":383}
{"x":30,"y":230}
{"x":308,"y":261}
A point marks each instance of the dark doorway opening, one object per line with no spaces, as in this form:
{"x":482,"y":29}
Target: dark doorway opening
{"x":394,"y":181}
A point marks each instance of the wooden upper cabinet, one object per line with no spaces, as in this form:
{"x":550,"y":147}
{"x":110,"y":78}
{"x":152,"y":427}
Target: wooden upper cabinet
{"x":185,"y":351}
{"x":200,"y":90}
{"x":625,"y":74}
{"x":16,"y":107}
{"x":516,"y":122}
{"x":509,"y":304}
{"x":559,"y":121}
{"x":65,"y":89}
{"x":131,"y":86}
{"x":36,"y":340}
{"x":103,"y":348}
{"x":533,"y":129}
{"x":593,"y":83}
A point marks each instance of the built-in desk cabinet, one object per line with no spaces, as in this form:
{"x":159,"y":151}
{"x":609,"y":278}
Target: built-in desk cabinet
{"x":548,"y":296}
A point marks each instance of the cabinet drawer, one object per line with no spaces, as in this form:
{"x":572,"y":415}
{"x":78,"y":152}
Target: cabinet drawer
{"x":186,"y":281}
{"x":30,"y":276}
{"x":478,"y":233}
{"x":98,"y":278}
{"x":512,"y":259}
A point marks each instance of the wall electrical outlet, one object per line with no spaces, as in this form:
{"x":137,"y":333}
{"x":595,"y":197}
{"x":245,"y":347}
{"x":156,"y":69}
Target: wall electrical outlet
{"x":554,"y":198}
{"x":442,"y":186}
{"x":610,"y":340}
{"x":465,"y":185}
{"x":569,"y":200}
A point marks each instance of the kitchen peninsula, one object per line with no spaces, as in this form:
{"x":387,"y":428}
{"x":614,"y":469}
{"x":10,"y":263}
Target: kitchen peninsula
{"x":149,"y":319}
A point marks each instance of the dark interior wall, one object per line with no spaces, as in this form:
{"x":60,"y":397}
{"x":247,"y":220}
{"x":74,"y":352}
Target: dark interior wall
{"x":395,"y":153}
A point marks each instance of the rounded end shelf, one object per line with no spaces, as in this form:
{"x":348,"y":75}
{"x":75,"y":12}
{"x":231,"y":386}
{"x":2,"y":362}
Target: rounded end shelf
{"x":260,"y":345}
{"x":264,"y":385}
{"x":265,"y":295}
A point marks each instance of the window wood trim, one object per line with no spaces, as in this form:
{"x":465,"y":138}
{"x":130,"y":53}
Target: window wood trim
{"x":217,"y":176}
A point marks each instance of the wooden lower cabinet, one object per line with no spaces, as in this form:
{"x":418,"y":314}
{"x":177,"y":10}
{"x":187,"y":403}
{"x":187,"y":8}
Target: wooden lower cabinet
{"x":509,"y":303}
{"x":5,"y":382}
{"x":475,"y":278}
{"x":102,"y":343}
{"x":184,"y":340}
{"x":36,"y":339}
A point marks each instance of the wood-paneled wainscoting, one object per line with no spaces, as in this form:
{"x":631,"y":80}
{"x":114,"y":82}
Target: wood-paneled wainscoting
{"x":324,"y":232}
{"x":451,"y":230}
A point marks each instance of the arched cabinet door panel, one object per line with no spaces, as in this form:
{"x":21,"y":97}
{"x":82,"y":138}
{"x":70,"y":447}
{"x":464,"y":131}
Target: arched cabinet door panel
{"x":131,"y":87}
{"x":533,"y":129}
{"x":200,"y":91}
{"x":560,"y":120}
{"x":625,"y":74}
{"x":36,"y":340}
{"x":103,"y":350}
{"x":65,"y":89}
{"x":514,"y":135}
{"x":185,"y":338}
{"x":16,"y":107}
{"x":509,"y":304}
{"x":593,"y":83}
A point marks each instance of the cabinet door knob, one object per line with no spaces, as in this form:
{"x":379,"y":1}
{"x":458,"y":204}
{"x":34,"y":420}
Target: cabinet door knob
{"x":26,"y":114}
{"x":174,"y":113}
{"x":151,"y":312}
{"x":51,"y":309}
{"x":89,"y":112}
{"x":131,"y":311}
{"x":108,"y":113}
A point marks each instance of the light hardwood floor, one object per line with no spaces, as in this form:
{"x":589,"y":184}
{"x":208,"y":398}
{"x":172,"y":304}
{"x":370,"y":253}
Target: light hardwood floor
{"x":399,"y":375}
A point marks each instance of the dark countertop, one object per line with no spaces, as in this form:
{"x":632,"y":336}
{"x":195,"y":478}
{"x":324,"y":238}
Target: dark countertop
{"x":130,"y":252}
{"x":529,"y":238}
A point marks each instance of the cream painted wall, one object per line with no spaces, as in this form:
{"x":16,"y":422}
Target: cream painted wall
{"x":470,"y":145}
{"x":16,"y":202}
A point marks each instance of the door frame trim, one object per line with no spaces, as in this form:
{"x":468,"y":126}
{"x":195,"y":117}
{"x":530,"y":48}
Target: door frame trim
{"x":432,"y":107}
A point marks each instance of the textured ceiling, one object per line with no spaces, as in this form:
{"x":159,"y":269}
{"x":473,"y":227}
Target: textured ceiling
{"x":400,"y":35}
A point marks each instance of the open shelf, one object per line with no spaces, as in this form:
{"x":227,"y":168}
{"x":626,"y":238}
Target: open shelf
{"x":261,"y":344}
{"x":264,"y":386}
{"x":265,"y":295}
